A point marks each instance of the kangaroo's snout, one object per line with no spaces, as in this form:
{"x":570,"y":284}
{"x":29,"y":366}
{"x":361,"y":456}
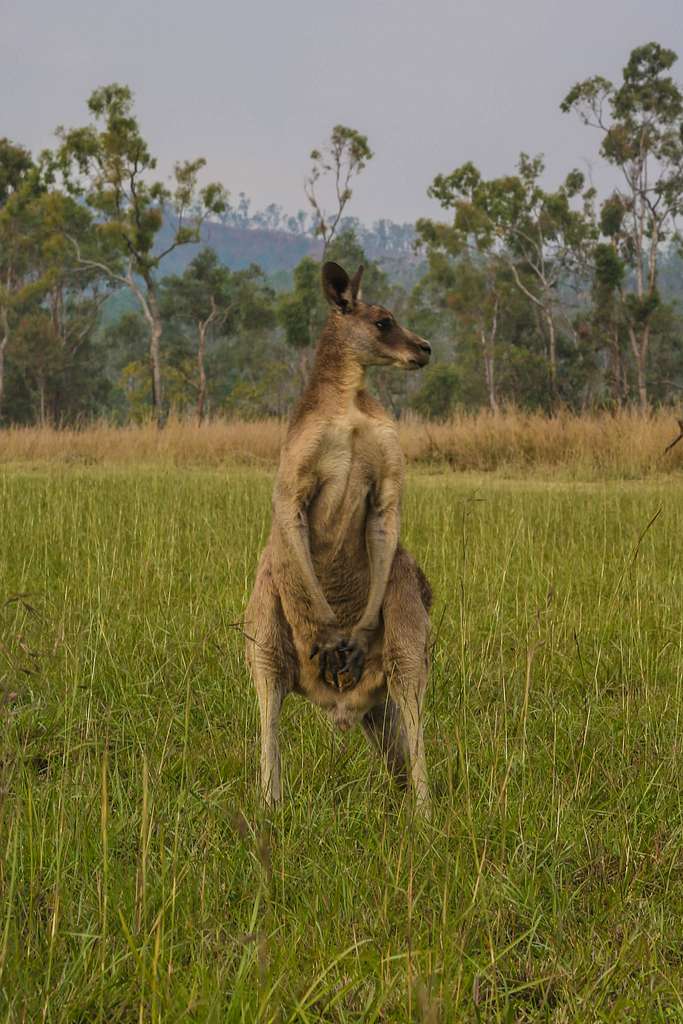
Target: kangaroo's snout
{"x":422,"y":354}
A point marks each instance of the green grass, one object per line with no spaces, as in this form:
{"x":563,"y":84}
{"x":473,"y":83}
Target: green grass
{"x":138,"y":879}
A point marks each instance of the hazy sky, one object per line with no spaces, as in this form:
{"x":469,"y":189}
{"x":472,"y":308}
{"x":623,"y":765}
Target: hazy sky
{"x":253,"y":86}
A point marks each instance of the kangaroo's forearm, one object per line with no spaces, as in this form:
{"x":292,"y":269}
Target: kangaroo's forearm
{"x":382,"y":540}
{"x":293,"y":526}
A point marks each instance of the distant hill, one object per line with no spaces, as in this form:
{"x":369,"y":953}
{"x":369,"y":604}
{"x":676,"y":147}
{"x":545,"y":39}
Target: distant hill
{"x":278,"y":251}
{"x":238,"y":248}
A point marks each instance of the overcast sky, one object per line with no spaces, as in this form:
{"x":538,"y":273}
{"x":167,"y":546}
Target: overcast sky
{"x":253,"y":86}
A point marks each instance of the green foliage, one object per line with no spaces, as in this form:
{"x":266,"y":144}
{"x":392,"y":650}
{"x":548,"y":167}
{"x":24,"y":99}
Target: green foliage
{"x":609,"y":268}
{"x":49,"y":382}
{"x":268,"y":394}
{"x":513,"y":216}
{"x":641,"y":126}
{"x":202,"y":292}
{"x":16,"y":166}
{"x":20,"y":188}
{"x":49,"y":305}
{"x":640,"y":310}
{"x":511,"y":226}
{"x":204,"y":309}
{"x":439,"y":393}
{"x":108,"y":163}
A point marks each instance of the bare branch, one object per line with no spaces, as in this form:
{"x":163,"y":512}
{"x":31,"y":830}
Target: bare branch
{"x":676,"y":439}
{"x":95,"y":264}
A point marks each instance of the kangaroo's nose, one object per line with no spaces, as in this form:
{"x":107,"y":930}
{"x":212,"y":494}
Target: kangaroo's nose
{"x":425,"y":346}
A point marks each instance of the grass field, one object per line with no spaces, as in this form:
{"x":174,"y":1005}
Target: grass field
{"x":138,"y":880}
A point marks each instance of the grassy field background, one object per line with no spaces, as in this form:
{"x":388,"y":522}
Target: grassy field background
{"x":138,"y":879}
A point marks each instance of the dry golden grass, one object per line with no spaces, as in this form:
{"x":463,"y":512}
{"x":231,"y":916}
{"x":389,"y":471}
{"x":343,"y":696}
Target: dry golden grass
{"x":181,"y":442}
{"x":625,"y":444}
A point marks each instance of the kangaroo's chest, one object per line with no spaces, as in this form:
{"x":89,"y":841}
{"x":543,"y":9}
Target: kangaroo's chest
{"x":349,"y":468}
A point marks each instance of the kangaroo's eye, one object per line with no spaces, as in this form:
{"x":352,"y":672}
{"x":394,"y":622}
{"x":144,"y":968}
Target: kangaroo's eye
{"x":384,"y":324}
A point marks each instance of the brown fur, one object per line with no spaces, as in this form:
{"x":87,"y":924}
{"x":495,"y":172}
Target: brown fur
{"x":339,"y":611}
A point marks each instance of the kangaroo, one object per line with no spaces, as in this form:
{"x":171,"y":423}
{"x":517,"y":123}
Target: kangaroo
{"x":339,"y":610}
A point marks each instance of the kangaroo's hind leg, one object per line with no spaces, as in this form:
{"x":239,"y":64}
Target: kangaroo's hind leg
{"x":272,"y":662}
{"x":383,"y":727}
{"x":406,"y":661}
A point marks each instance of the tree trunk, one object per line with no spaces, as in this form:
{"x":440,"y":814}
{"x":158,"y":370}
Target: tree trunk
{"x":617,"y":381}
{"x":155,"y":366}
{"x":639,"y":347}
{"x":552,"y":359}
{"x":489,"y":370}
{"x":201,"y":391}
{"x":41,"y":400}
{"x":3,"y":345}
{"x":150,"y":309}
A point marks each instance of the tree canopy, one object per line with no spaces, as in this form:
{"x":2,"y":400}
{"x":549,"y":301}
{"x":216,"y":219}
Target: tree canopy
{"x":129,"y":294}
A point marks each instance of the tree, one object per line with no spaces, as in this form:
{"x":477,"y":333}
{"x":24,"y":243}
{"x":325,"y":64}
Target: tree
{"x":342,"y":158}
{"x":543,"y":238}
{"x":474,"y":289}
{"x":37,"y":354}
{"x":641,"y":124}
{"x":606,"y":319}
{"x":19,"y":183}
{"x":203,"y":297}
{"x":217,"y":305}
{"x":477,"y":299}
{"x":72,"y":294}
{"x":108,"y":163}
{"x":44,"y":288}
{"x":439,"y":392}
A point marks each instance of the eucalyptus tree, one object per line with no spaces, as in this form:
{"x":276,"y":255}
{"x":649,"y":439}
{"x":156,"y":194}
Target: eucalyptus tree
{"x":342,"y":158}
{"x":19,"y":183}
{"x":640,"y":120}
{"x":473,"y":289}
{"x":543,"y":238}
{"x":45,"y":293}
{"x":203,"y":296}
{"x":109,"y":164}
{"x":217,"y":305}
{"x":607,"y":319}
{"x":62,"y":294}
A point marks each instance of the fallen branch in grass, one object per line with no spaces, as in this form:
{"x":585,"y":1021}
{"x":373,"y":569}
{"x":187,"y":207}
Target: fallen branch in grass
{"x":676,"y":439}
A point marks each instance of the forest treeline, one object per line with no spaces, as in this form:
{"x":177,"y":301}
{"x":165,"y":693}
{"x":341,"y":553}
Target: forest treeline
{"x":117,"y":300}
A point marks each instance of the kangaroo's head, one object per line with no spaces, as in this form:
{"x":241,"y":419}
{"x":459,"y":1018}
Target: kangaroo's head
{"x":370,"y":332}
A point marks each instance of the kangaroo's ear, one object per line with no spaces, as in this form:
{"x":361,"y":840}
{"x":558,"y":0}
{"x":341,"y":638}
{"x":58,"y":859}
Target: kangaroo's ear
{"x":355,"y":284}
{"x":337,"y":286}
